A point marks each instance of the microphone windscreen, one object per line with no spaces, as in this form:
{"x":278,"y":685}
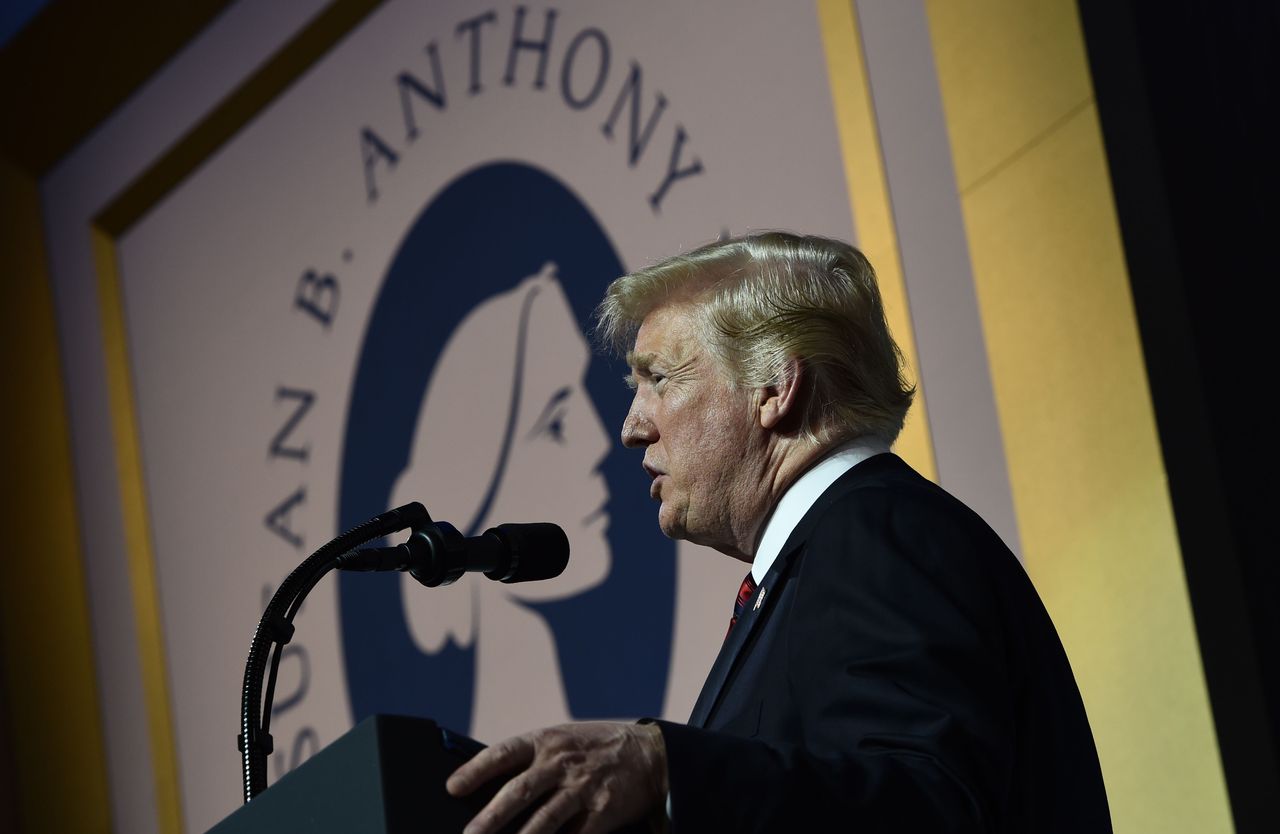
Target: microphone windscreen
{"x":537,"y":551}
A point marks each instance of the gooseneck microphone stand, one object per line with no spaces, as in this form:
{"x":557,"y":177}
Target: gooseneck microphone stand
{"x":276,"y":627}
{"x":435,"y":554}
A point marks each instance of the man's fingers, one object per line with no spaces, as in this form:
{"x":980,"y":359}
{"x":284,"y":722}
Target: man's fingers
{"x":490,"y":762}
{"x":581,"y":778}
{"x":552,"y":816}
{"x":514,"y":797}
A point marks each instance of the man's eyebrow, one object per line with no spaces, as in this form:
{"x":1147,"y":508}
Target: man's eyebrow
{"x":640,"y":361}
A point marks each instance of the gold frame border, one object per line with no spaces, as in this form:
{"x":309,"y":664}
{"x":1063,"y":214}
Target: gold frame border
{"x":139,"y":551}
{"x":226,"y":119}
{"x":871,"y":205}
{"x":51,"y":721}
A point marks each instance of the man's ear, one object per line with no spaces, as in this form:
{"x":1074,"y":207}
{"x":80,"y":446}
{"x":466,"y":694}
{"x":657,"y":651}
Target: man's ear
{"x":781,"y":399}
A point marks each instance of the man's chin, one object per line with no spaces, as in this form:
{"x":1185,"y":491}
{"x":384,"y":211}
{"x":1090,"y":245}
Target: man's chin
{"x":671,"y":526}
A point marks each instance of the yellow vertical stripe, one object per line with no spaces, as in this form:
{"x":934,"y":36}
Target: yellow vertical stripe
{"x":1084,"y":460}
{"x":872,"y":210}
{"x":54,"y":721}
{"x":142,"y":571}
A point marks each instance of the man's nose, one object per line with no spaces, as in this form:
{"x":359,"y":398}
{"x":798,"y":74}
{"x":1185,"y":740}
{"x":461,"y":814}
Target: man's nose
{"x":638,"y":430}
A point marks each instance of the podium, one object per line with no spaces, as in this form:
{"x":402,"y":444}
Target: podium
{"x":385,"y":776}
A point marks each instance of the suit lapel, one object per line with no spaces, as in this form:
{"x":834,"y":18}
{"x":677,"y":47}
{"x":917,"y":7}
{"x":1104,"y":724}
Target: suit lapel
{"x":738,"y":637}
{"x":871,"y":470}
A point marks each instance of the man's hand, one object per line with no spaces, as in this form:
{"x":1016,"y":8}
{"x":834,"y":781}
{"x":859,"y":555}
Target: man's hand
{"x":597,"y":776}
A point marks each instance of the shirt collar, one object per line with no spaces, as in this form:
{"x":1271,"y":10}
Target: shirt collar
{"x":802,"y":495}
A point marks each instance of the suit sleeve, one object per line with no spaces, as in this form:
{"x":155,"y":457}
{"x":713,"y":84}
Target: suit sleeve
{"x":897,"y":664}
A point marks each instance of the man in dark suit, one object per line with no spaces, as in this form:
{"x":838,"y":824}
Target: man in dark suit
{"x":889,"y":666}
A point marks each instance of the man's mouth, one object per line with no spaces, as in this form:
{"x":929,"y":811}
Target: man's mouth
{"x":657,"y":475}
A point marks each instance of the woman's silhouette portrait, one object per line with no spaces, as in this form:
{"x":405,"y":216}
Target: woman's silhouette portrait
{"x":524,"y":446}
{"x":476,"y":392}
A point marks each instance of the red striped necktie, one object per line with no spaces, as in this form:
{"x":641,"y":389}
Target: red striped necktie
{"x":745,"y":591}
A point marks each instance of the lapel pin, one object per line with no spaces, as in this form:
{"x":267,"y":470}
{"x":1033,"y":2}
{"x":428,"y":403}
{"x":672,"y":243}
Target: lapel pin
{"x":759,"y":599}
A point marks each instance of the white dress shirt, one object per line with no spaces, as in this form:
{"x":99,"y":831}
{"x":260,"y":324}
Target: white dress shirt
{"x":801,"y":496}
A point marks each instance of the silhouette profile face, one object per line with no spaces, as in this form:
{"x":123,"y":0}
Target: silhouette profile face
{"x":508,"y":433}
{"x":454,"y":339}
{"x":558,"y":443}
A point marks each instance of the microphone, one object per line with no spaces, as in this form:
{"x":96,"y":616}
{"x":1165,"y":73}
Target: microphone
{"x":437,"y":554}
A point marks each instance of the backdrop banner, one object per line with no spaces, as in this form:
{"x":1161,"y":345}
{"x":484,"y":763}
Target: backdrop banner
{"x":379,"y":290}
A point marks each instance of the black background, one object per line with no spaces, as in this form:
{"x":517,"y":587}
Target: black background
{"x":1186,"y":93}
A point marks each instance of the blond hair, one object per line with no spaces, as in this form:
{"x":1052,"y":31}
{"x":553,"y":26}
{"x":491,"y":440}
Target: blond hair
{"x":768,"y":298}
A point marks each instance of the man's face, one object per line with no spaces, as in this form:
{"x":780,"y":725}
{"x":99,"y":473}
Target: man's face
{"x":699,"y":433}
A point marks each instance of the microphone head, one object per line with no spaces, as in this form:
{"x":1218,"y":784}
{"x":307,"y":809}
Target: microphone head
{"x":530,"y":552}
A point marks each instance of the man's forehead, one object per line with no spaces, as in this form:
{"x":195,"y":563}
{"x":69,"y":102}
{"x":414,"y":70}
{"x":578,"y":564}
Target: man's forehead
{"x":666,"y":335}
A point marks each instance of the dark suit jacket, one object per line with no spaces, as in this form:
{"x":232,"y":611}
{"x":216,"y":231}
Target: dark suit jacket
{"x":899,"y":674}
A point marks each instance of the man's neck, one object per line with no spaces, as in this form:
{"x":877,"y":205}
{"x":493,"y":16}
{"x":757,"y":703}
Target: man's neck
{"x":768,"y":471}
{"x":793,"y":461}
{"x":798,"y":498}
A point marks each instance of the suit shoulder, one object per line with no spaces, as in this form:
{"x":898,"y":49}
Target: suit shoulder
{"x":891,"y":498}
{"x":892,"y":522}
